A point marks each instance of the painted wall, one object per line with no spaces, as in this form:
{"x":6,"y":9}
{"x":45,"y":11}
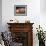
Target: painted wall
{"x":43,"y":14}
{"x":0,"y":15}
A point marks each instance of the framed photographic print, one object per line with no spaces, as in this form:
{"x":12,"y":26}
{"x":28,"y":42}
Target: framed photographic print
{"x":20,"y":10}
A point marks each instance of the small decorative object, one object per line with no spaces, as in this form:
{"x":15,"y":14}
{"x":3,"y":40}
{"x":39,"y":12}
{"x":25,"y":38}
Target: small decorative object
{"x":11,"y":20}
{"x":20,"y":10}
{"x":27,"y":21}
{"x":14,"y":21}
{"x":41,"y":36}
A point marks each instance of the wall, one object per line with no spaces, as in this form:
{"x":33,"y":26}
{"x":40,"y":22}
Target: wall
{"x":43,"y":6}
{"x":43,"y":14}
{"x":0,"y":15}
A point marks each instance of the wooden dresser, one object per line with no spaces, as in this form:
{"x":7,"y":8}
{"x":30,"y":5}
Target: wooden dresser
{"x":22,"y":33}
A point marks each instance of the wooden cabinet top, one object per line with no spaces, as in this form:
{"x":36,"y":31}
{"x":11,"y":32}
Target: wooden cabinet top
{"x":20,"y":23}
{"x":23,"y":27}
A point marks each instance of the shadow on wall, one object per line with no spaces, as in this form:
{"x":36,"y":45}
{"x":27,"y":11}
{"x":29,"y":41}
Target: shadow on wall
{"x":0,"y":15}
